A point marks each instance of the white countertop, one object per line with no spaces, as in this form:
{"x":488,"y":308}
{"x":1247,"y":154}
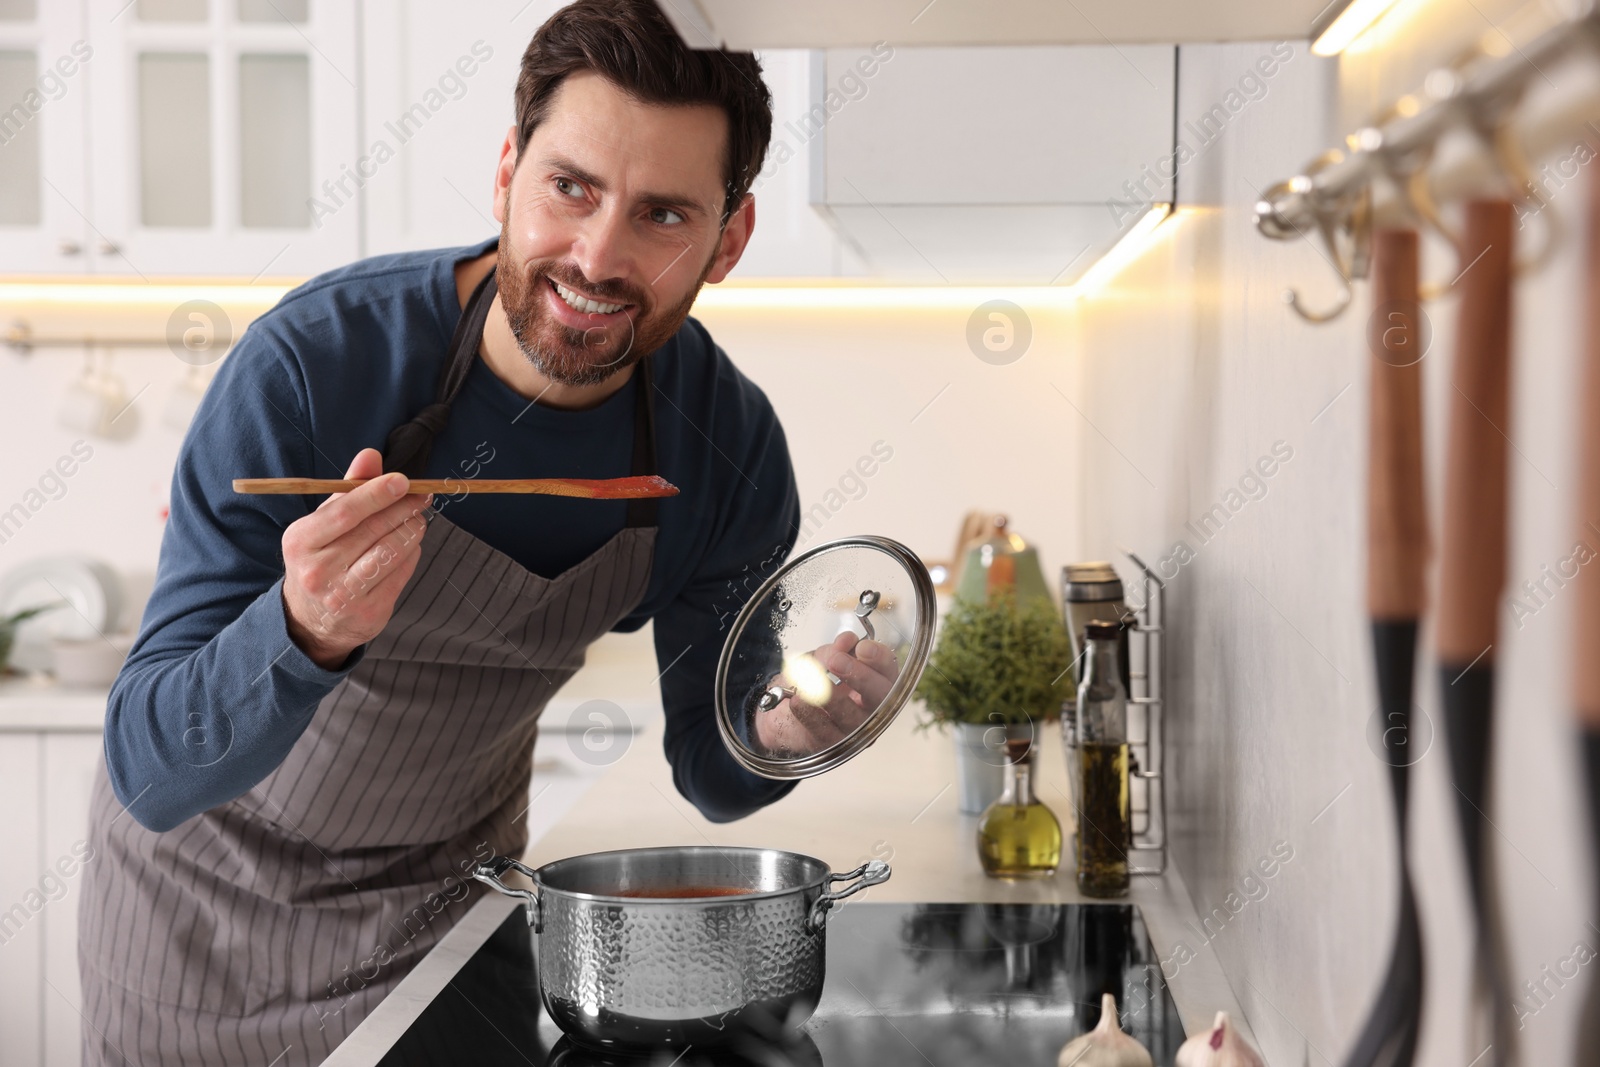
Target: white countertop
{"x":36,"y":703}
{"x":896,"y":801}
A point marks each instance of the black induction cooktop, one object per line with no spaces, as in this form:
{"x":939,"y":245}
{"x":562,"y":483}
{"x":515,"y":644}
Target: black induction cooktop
{"x":920,"y":984}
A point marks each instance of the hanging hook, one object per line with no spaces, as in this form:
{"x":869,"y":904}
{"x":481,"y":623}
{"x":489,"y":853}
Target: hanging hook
{"x":1348,"y":215}
{"x":1349,"y":264}
{"x":1326,"y":227}
{"x":1513,"y":163}
{"x":1408,"y":177}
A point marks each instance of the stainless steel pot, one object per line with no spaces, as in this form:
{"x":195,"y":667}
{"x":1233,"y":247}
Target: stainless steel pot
{"x":623,"y":971}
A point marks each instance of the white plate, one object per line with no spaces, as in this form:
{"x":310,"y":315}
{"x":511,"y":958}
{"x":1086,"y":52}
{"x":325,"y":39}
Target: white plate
{"x":93,"y":603}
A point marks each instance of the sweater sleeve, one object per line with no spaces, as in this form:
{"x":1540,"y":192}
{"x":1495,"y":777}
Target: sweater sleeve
{"x":214,"y":693}
{"x":762,"y":506}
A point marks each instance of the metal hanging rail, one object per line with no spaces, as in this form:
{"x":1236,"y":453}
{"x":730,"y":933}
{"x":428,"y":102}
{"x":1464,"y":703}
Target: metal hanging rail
{"x":1333,"y":197}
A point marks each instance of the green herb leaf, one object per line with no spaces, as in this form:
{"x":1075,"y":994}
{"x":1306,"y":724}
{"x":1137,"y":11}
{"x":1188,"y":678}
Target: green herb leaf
{"x":1000,"y":661}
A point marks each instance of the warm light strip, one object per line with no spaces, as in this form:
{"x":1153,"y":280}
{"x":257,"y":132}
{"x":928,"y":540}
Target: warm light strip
{"x":872,"y":297}
{"x":124,"y":294}
{"x":1352,"y":22}
{"x":1125,"y":251}
{"x":826,"y":296}
{"x":845,"y":297}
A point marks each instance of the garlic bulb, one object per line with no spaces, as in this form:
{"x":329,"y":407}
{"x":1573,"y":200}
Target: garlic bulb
{"x":1221,"y":1046}
{"x":1106,"y":1045}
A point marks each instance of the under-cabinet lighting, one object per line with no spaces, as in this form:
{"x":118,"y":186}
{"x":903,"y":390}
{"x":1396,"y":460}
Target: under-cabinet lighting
{"x":877,"y":297}
{"x":1125,"y":251}
{"x":841,"y":294}
{"x":130,"y":295}
{"x":1351,"y":23}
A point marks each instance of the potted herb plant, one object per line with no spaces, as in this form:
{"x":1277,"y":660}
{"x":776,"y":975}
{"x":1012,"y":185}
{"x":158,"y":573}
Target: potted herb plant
{"x":1000,"y":667}
{"x":8,"y":631}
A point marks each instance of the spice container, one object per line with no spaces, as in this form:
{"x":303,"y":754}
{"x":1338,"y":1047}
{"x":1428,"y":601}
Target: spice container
{"x":1101,"y":785}
{"x":1092,"y":592}
{"x":1018,"y":837}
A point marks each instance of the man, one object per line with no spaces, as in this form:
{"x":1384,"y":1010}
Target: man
{"x":329,"y":714}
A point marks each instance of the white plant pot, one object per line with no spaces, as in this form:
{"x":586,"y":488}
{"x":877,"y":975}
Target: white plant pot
{"x":980,"y":765}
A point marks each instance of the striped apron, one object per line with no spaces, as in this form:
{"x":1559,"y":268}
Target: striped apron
{"x":264,"y":930}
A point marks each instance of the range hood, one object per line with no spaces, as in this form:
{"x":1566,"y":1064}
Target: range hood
{"x":986,"y":165}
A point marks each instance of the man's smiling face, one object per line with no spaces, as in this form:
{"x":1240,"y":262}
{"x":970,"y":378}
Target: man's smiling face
{"x":611,"y":219}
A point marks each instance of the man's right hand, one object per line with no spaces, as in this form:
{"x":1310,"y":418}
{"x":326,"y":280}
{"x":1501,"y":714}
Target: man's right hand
{"x":346,"y":563}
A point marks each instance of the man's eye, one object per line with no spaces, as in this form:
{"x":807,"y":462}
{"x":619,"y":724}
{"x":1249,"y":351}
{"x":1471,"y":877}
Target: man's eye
{"x":569,"y":187}
{"x":665,"y":216}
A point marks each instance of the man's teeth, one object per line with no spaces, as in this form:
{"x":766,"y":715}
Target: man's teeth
{"x":583,"y":303}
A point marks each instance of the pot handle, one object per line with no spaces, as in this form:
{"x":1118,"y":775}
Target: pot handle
{"x":492,"y":870}
{"x":873,"y":872}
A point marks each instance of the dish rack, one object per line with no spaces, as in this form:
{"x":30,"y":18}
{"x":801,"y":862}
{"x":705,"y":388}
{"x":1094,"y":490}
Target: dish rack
{"x":1147,"y":727}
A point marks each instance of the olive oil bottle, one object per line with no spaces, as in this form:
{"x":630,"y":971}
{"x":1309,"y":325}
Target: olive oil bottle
{"x":1104,"y":830}
{"x":1018,"y":837}
{"x":1103,"y":819}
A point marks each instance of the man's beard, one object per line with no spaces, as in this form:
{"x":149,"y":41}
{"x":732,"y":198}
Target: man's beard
{"x":569,"y":356}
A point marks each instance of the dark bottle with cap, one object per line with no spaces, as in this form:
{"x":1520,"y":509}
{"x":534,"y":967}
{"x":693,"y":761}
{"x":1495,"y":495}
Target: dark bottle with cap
{"x":1104,"y":832}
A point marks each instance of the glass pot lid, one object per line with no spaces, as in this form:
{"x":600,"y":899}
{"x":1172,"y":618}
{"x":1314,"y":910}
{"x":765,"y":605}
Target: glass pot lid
{"x":824,"y":656}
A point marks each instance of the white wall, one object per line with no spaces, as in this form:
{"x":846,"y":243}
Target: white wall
{"x":112,"y":507}
{"x":1273,"y":690}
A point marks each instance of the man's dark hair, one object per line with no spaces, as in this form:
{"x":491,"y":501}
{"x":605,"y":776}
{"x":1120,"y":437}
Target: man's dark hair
{"x":633,"y":46}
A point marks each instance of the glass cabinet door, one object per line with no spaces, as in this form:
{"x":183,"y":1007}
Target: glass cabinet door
{"x":43,"y":99}
{"x":214,"y":123}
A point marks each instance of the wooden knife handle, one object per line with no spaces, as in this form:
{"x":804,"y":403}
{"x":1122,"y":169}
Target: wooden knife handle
{"x":1472,"y":563}
{"x":1586,"y":650}
{"x":1397,"y":513}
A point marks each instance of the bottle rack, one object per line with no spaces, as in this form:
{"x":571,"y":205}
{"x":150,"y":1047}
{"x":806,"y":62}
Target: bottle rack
{"x":1147,"y":727}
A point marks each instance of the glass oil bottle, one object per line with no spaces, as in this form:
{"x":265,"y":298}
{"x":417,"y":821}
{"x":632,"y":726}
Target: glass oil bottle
{"x":1018,"y":837}
{"x":1104,"y":831}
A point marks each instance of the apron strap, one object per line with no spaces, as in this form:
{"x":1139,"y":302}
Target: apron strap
{"x":643,"y":512}
{"x":409,"y":444}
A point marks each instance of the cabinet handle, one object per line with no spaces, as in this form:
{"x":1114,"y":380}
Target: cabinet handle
{"x":69,"y":248}
{"x":110,"y":248}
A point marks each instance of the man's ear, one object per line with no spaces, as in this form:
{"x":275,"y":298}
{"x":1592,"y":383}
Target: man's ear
{"x":735,"y":239}
{"x":502,"y":175}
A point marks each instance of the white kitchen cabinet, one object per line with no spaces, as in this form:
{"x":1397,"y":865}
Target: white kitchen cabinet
{"x":213,"y":126}
{"x":43,"y":100}
{"x":70,"y":763}
{"x":437,"y":85}
{"x":791,"y":239}
{"x":45,"y":778}
{"x":985,"y":165}
{"x":22,"y":934}
{"x":50,"y":750}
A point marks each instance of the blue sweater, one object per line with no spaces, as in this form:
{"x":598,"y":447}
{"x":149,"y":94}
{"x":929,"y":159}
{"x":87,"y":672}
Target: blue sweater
{"x":329,"y":371}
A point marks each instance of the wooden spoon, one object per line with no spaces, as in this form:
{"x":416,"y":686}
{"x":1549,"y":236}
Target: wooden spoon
{"x":633,"y":488}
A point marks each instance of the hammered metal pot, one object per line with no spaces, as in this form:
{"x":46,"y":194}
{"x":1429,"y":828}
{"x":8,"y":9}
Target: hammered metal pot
{"x":620,"y":971}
